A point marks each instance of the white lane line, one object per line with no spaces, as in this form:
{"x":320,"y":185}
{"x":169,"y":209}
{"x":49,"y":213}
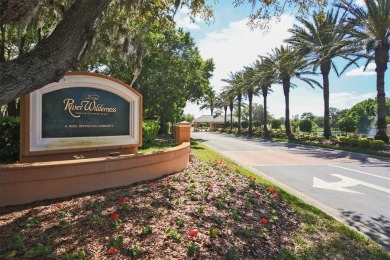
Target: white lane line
{"x":370,"y":174}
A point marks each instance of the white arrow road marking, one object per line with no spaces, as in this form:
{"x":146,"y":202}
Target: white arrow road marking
{"x":345,"y":182}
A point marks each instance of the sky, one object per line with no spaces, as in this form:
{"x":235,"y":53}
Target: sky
{"x":232,"y":45}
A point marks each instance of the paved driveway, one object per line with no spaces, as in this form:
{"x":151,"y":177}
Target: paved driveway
{"x":353,"y":188}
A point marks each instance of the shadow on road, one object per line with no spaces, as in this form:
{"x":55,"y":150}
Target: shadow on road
{"x":377,"y":228}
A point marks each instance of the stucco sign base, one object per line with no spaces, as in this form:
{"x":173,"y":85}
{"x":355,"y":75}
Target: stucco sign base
{"x":28,"y":182}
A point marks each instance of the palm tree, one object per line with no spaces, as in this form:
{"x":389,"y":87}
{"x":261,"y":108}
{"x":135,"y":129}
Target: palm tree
{"x":222,"y":101}
{"x":236,"y":87}
{"x":284,"y":64}
{"x":230,"y":96}
{"x":209,"y":100}
{"x":370,"y":30}
{"x":250,"y":89}
{"x":319,"y":41}
{"x":264,"y":79}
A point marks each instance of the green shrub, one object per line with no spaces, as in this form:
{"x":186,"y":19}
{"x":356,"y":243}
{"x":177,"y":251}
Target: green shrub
{"x":149,"y":132}
{"x":9,"y":139}
{"x":305,"y":125}
{"x":352,"y":141}
{"x":312,"y":138}
{"x":333,"y":139}
{"x":320,"y":138}
{"x":364,"y":142}
{"x":342,"y":138}
{"x":275,"y":124}
{"x":244,"y":124}
{"x":377,"y":144}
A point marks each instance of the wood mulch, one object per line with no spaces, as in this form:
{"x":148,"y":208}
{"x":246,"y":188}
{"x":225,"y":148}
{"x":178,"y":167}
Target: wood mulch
{"x":207,"y":211}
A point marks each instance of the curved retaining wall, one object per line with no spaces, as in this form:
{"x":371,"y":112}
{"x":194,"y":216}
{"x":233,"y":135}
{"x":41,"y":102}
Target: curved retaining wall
{"x":28,"y":182}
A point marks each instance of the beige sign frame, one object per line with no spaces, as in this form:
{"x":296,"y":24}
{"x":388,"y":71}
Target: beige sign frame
{"x":32,"y":143}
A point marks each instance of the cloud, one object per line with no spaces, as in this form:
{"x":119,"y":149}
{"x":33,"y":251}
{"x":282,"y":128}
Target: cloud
{"x":183,"y":19}
{"x":237,"y":46}
{"x":346,"y":100}
{"x":360,"y":3}
{"x":370,"y":71}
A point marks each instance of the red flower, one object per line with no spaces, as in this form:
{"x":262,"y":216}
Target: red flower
{"x":193,"y":233}
{"x":168,"y":186}
{"x":210,"y":174}
{"x":234,"y":180}
{"x":237,"y":170}
{"x":59,"y":205}
{"x":209,"y":185}
{"x":112,"y":251}
{"x":133,"y":200}
{"x":258,"y":195}
{"x":276,"y":196}
{"x":263,"y":221}
{"x":114,"y":216}
{"x":122,"y":200}
{"x":152,"y":185}
{"x":169,"y":178}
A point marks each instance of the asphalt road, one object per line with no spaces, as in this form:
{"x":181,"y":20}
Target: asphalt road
{"x":353,"y":188}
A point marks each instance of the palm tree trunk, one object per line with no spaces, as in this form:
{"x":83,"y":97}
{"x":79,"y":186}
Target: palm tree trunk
{"x":250,"y":98}
{"x":265,"y":116}
{"x":231,"y":114}
{"x":286,"y":91}
{"x":225,"y":108}
{"x":239,"y":97}
{"x":381,"y":60}
{"x":325,"y":68}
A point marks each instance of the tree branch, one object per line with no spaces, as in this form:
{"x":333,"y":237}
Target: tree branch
{"x":54,"y":56}
{"x":12,"y":10}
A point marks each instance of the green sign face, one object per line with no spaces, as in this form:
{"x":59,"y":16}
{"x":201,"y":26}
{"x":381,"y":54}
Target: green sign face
{"x":83,"y":112}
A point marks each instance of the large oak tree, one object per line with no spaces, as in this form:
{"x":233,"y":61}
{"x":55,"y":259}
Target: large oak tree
{"x":61,"y":51}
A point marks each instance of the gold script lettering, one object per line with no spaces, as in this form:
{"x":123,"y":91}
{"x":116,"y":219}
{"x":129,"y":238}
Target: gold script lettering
{"x":69,"y":106}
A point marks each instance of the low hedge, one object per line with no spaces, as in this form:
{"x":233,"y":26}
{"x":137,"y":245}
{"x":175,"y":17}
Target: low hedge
{"x":377,"y":144}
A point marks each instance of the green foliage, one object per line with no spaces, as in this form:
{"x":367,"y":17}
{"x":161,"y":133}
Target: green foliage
{"x":9,"y":139}
{"x":116,"y":242}
{"x":244,"y":124}
{"x":147,"y":230}
{"x":320,"y":138}
{"x":173,"y":234}
{"x":192,"y":248}
{"x":377,"y":144}
{"x":275,"y":124}
{"x":38,"y":250}
{"x":305,"y":125}
{"x":364,"y":142}
{"x":347,"y":124}
{"x":149,"y":132}
{"x":17,"y":241}
{"x":312,"y":138}
{"x":352,"y":141}
{"x":364,"y":113}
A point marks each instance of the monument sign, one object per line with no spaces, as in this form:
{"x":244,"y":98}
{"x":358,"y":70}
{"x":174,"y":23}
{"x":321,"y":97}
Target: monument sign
{"x":83,"y":112}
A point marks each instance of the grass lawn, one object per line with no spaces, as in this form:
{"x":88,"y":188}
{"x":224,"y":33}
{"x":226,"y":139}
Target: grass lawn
{"x":214,"y":209}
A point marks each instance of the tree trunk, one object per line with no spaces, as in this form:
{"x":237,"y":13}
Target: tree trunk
{"x":225,"y":108}
{"x":2,"y":43}
{"x":239,"y":97}
{"x":325,"y":68}
{"x":250,"y":97}
{"x":265,"y":116}
{"x":54,"y":56}
{"x":231,"y":114}
{"x":286,"y":91}
{"x":381,"y":60}
{"x":14,"y":10}
{"x":11,"y":108}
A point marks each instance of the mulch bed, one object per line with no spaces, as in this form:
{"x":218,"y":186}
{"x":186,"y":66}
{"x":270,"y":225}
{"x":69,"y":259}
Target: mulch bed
{"x":207,"y":211}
